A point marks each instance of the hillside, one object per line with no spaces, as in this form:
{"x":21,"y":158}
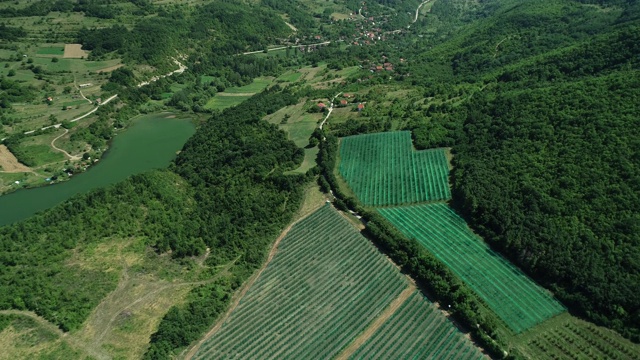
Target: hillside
{"x":539,"y":102}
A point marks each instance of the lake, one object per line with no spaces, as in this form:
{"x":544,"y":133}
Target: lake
{"x":151,"y":142}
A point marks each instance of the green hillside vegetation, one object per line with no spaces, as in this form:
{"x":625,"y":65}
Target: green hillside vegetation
{"x":234,"y":159}
{"x":539,"y":106}
{"x":545,"y":156}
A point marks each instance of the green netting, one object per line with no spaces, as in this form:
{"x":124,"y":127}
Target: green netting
{"x":323,"y":287}
{"x":384,"y":169}
{"x":515,"y":298}
{"x":417,"y":330}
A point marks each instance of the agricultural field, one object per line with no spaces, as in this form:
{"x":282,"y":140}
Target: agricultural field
{"x":235,"y":95}
{"x":320,"y":293}
{"x":514,"y":297}
{"x":569,"y":337}
{"x":384,"y":169}
{"x":417,"y":331}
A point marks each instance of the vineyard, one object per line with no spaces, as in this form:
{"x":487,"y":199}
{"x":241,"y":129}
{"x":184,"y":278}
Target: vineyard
{"x":417,"y":330}
{"x":572,"y":338}
{"x":323,"y":288}
{"x":514,"y":297}
{"x":384,"y":169}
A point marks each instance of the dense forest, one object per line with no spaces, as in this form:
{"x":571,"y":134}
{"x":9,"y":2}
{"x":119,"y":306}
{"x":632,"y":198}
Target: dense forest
{"x":539,"y":102}
{"x":226,"y":192}
{"x":220,"y":28}
{"x":546,"y":145}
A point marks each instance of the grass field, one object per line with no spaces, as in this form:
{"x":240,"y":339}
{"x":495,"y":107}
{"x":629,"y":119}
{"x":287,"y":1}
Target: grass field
{"x":309,"y":161}
{"x":221,"y":102}
{"x":417,"y":331}
{"x":256,"y":86}
{"x":324,"y":287}
{"x":514,"y":297}
{"x":51,"y":50}
{"x":289,"y":76}
{"x":384,"y":169}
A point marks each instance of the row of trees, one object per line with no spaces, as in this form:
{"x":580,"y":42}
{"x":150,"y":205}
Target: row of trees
{"x":430,"y":273}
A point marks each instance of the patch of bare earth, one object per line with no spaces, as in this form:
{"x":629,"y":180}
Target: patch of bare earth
{"x":9,"y":163}
{"x":74,"y":51}
{"x":377,"y":323}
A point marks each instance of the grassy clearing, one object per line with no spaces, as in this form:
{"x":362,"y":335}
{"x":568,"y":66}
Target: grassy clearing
{"x":51,"y":50}
{"x":309,"y":162}
{"x":149,"y":284}
{"x":221,"y":102}
{"x":289,"y":76}
{"x":256,"y":86}
{"x":24,"y":338}
{"x":299,"y":125}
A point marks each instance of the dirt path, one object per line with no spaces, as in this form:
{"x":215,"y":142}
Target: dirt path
{"x":417,"y":13}
{"x":377,"y":323}
{"x":53,"y":145}
{"x":80,"y":91}
{"x":330,"y":110}
{"x":64,"y":336}
{"x":243,"y":291}
{"x":291,"y":26}
{"x":9,"y":163}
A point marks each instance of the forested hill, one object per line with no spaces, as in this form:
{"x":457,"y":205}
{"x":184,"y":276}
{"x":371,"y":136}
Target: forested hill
{"x":543,"y":121}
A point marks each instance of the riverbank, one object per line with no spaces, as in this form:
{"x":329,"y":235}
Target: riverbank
{"x":151,"y":142}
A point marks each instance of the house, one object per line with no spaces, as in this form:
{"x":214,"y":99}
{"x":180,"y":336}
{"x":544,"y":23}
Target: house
{"x":348,"y":96}
{"x":360,"y":106}
{"x":343,"y":102}
{"x":322,"y":106}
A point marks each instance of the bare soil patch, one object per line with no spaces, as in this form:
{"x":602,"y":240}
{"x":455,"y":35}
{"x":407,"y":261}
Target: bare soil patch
{"x":74,"y":51}
{"x":109,"y":69}
{"x":9,"y":163}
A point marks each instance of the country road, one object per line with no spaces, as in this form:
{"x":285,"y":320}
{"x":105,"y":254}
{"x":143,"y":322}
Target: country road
{"x":330,"y":109}
{"x":418,"y":12}
{"x":180,"y":70}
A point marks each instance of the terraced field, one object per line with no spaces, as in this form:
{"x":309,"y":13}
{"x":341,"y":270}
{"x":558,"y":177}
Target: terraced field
{"x":323,"y":288}
{"x":513,"y":296}
{"x":417,"y":331}
{"x":384,"y":169}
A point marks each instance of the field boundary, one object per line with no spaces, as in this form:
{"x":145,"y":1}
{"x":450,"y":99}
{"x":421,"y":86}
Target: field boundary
{"x":377,"y":323}
{"x":237,"y":297}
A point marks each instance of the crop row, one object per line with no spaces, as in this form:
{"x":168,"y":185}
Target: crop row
{"x":512,"y":295}
{"x":581,"y":341}
{"x":323,"y":287}
{"x":384,"y":169}
{"x":417,"y":330}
